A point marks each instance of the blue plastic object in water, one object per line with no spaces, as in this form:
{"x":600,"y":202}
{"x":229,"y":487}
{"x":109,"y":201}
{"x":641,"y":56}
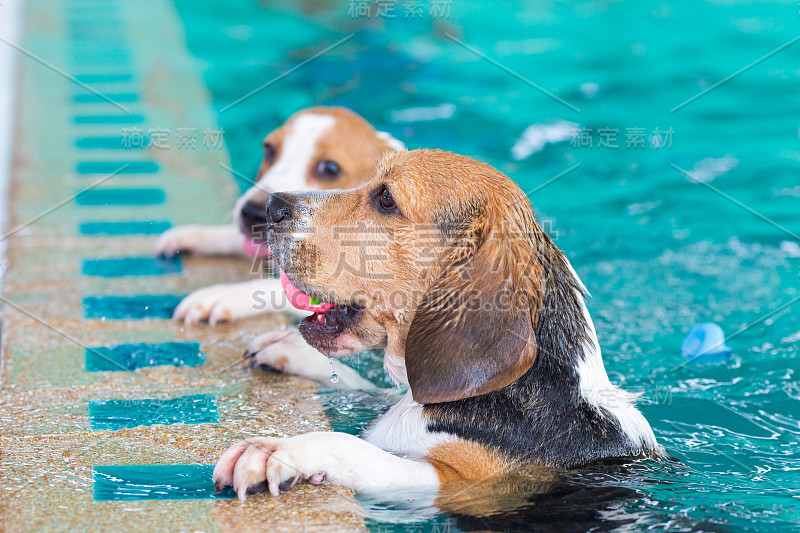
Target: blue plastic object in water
{"x":706,"y":340}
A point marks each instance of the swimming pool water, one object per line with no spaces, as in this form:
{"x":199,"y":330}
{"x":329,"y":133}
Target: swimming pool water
{"x":659,"y":251}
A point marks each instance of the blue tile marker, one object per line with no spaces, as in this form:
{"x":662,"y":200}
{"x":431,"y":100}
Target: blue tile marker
{"x":104,"y":78}
{"x":91,"y":98}
{"x":119,"y":167}
{"x":119,"y":414}
{"x":95,"y":57}
{"x":108,"y":119}
{"x":119,"y":267}
{"x":82,"y":11}
{"x":132,"y":227}
{"x":130,"y":307}
{"x":155,"y":482}
{"x":106,"y":197}
{"x":117,"y":142}
{"x":129,"y":357}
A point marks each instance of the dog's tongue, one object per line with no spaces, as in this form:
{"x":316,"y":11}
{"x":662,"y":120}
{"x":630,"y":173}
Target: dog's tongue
{"x":256,"y":249}
{"x":302,"y":301}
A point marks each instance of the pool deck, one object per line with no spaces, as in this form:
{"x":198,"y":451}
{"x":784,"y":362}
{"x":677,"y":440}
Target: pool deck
{"x":97,"y":82}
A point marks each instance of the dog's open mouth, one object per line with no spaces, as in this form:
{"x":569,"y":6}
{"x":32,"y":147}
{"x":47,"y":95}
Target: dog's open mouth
{"x":327,"y":319}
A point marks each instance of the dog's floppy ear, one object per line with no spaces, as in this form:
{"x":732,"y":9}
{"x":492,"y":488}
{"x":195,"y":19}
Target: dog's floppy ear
{"x":391,"y":143}
{"x":473,"y":332}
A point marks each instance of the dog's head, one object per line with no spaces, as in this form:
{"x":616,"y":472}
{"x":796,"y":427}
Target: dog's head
{"x":436,"y":258}
{"x":317,"y":148}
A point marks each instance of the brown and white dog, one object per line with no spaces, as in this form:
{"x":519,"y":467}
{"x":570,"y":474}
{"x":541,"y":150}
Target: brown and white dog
{"x":480,"y":314}
{"x":317,"y":148}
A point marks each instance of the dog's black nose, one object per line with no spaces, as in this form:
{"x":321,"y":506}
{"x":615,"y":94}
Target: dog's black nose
{"x":253,"y":215}
{"x":279,"y":207}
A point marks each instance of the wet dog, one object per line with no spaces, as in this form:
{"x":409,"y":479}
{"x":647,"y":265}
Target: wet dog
{"x":439,"y":260}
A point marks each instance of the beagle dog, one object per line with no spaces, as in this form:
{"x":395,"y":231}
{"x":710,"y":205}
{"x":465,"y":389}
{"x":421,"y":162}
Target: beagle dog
{"x":439,"y":260}
{"x":317,"y":148}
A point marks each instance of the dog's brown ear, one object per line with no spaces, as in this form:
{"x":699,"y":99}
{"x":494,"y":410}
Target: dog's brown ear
{"x":473,"y":333}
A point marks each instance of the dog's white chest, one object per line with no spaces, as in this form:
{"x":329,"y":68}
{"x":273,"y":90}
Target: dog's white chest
{"x":403,"y":430}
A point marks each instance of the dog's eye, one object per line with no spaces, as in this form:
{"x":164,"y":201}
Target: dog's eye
{"x":328,"y":169}
{"x":269,"y":151}
{"x":386,"y":200}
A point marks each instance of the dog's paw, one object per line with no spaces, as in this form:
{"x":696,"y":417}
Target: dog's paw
{"x":216,"y":304}
{"x":190,"y":239}
{"x":276,"y":464}
{"x":286,"y":351}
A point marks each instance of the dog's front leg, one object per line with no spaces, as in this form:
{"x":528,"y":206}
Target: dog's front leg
{"x":286,"y":351}
{"x":200,"y":240}
{"x":234,"y":301}
{"x":337,"y":458}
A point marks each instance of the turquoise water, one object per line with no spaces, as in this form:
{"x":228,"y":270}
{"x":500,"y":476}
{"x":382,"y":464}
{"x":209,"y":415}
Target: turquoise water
{"x":658,"y":252}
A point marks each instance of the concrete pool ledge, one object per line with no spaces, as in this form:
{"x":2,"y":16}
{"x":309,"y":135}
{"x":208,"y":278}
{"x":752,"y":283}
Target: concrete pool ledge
{"x":62,"y":424}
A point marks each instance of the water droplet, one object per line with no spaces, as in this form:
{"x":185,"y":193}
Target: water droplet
{"x":334,"y":377}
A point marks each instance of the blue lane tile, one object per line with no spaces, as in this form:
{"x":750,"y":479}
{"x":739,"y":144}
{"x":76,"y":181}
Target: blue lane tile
{"x":136,"y":307}
{"x":155,"y":482}
{"x":119,"y":414}
{"x":104,"y":78}
{"x":115,"y":142}
{"x":118,"y":267}
{"x":108,"y":167}
{"x":119,"y":197}
{"x":100,"y":18}
{"x":129,"y":357}
{"x":91,"y":98}
{"x":109,"y":57}
{"x":107,"y":30}
{"x":127,"y":227}
{"x":108,"y":119}
{"x":85,"y":10}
